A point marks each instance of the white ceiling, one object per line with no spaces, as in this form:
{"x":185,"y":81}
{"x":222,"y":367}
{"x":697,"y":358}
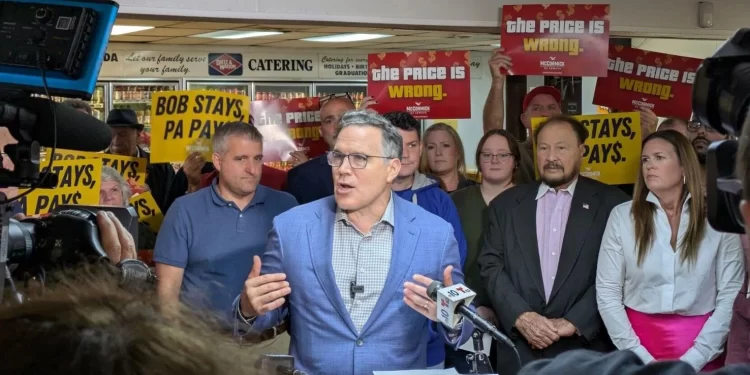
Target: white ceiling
{"x":178,"y":32}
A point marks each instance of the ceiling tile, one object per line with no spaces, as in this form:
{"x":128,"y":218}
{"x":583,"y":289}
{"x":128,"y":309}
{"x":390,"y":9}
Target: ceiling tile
{"x":336,"y":29}
{"x":168,"y":31}
{"x":289,"y":26}
{"x":139,"y":22}
{"x":287,"y":35}
{"x":406,"y":38}
{"x":134,"y":39}
{"x":181,"y":41}
{"x":405,"y":32}
{"x":210,"y":25}
{"x":240,"y":42}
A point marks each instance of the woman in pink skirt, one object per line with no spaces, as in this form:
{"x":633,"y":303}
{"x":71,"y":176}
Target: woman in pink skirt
{"x":666,"y":280}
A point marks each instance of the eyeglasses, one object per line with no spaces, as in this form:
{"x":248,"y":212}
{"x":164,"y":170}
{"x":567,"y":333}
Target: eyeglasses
{"x":486,"y":157}
{"x":325,"y":99}
{"x":357,"y":161}
{"x":694,"y":126}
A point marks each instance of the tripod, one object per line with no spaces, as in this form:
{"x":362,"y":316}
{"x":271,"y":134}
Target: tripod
{"x":480,"y":364}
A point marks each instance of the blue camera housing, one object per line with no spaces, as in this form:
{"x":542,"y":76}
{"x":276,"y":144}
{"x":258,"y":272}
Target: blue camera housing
{"x":29,"y":79}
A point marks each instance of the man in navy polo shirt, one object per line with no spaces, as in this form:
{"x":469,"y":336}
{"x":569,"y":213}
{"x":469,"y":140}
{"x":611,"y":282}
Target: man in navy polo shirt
{"x":207,"y":241}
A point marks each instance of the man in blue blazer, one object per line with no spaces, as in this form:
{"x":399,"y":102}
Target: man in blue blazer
{"x":350,"y":271}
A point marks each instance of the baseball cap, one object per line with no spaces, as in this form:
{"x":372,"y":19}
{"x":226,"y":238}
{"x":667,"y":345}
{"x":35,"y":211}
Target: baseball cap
{"x":541,"y":90}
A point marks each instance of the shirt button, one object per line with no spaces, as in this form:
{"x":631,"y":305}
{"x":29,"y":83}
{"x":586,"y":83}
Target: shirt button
{"x":361,"y":270}
{"x":240,"y":215}
{"x":360,"y":342}
{"x":553,"y":254}
{"x":554,"y":229}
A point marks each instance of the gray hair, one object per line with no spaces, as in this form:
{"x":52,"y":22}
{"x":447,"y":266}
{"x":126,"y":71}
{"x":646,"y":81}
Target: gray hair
{"x":392,"y":141}
{"x":111,"y":174}
{"x":234,"y":129}
{"x":79,"y":104}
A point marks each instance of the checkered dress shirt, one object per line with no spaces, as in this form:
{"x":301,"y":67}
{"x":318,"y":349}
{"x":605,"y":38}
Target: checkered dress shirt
{"x":362,"y":258}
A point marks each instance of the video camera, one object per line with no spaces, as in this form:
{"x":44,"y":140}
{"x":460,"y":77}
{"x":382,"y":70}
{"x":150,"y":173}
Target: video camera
{"x":721,"y":98}
{"x":52,"y":48}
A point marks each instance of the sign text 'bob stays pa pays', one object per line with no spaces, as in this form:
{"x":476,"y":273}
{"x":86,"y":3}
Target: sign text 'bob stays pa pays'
{"x":184,"y":122}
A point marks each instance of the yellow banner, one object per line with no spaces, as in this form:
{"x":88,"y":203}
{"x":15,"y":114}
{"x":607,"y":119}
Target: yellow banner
{"x":182,"y":122}
{"x":129,"y":167}
{"x":78,"y":182}
{"x":148,"y":211}
{"x":613,"y":148}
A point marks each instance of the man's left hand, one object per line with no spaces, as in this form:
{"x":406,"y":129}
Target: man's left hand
{"x":564,"y":327}
{"x":415,"y":294}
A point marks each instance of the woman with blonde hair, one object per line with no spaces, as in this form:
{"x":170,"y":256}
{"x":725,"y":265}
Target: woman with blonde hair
{"x":666,"y":280}
{"x":444,"y":158}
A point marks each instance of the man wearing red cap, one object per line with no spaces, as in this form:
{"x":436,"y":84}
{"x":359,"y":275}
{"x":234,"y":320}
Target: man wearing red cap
{"x":542,"y":101}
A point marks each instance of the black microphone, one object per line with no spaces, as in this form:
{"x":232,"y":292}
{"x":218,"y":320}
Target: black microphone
{"x":75,"y":130}
{"x":478,"y":322}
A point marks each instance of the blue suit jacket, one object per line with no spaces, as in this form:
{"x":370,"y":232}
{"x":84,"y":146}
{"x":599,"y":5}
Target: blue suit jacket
{"x":323,"y":338}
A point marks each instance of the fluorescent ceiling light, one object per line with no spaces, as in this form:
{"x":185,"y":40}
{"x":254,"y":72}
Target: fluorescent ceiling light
{"x":495,"y":45}
{"x":236,"y":34}
{"x":343,"y":38}
{"x":122,"y":29}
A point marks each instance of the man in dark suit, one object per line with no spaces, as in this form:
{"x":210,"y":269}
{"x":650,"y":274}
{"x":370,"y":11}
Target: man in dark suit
{"x":125,"y":132}
{"x":538,"y":266}
{"x":312,"y":180}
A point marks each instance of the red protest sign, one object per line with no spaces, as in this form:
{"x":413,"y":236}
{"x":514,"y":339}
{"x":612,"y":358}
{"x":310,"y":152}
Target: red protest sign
{"x":556,"y":39}
{"x":288,"y":125}
{"x":428,"y":85}
{"x":638,"y":78}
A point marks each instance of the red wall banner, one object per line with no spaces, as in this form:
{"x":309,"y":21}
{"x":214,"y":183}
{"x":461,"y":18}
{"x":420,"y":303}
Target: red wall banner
{"x":428,"y":85}
{"x":556,"y":39}
{"x":638,"y":78}
{"x":288,"y":125}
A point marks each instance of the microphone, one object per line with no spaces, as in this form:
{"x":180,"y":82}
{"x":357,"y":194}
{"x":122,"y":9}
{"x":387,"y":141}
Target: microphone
{"x":75,"y":130}
{"x":452,"y":304}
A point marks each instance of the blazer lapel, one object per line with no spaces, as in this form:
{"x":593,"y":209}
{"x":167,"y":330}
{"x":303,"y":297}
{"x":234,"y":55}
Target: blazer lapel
{"x":582,"y":214}
{"x":320,"y":240}
{"x":405,"y":236}
{"x":524,"y":224}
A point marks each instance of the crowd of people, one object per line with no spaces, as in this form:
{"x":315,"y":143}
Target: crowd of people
{"x":339,"y":251}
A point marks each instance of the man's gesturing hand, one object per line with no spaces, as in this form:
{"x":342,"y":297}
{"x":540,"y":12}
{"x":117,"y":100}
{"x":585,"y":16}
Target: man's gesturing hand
{"x":263,"y":293}
{"x":538,"y":330}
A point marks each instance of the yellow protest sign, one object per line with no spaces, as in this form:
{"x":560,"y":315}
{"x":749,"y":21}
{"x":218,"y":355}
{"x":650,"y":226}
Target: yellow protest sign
{"x":613,"y":148}
{"x":182,"y":122}
{"x":129,"y":167}
{"x":148,"y":211}
{"x":61,"y":154}
{"x":78,"y":182}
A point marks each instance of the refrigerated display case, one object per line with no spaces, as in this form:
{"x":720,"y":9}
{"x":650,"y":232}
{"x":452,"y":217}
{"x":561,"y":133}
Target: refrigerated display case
{"x":229,"y":87}
{"x":98,"y":102}
{"x":357,"y":91}
{"x":273,"y":90}
{"x":137,"y":96}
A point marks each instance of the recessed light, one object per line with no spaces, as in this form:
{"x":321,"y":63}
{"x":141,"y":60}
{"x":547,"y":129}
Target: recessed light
{"x":343,"y":38}
{"x":124,"y":29}
{"x":236,"y":34}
